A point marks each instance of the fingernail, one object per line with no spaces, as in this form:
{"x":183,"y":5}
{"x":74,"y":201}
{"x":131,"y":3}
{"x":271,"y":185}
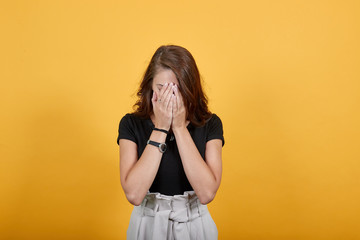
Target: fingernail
{"x":166,"y":84}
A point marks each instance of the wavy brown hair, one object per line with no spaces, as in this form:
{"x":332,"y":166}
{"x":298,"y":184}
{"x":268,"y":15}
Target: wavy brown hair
{"x":182,"y":63}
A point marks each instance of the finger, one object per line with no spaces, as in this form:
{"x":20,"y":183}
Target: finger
{"x":181,"y":100}
{"x":163,"y":90}
{"x":174,"y":103}
{"x":167,"y":95}
{"x":178,"y":95}
{"x":153,"y":97}
{"x":171,"y":106}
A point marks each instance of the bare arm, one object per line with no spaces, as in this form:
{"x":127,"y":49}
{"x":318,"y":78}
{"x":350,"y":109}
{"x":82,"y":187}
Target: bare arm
{"x":204,"y":176}
{"x":137,"y":175}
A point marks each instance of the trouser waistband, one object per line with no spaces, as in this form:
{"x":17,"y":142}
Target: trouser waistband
{"x":179,"y":208}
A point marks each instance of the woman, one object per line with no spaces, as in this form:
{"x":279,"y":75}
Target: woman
{"x":170,"y":152}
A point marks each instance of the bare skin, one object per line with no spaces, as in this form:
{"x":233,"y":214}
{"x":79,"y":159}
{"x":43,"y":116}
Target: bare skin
{"x":136,"y":176}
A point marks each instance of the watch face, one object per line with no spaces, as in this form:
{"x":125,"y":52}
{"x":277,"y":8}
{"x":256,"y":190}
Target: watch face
{"x":162,"y":147}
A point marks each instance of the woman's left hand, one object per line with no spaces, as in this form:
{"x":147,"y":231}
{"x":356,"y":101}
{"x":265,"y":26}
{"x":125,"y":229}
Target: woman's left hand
{"x":179,"y":111}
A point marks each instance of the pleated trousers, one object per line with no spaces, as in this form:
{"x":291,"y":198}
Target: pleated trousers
{"x":179,"y":217}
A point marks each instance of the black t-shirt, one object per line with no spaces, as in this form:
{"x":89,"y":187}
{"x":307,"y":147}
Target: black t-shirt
{"x":170,"y":178}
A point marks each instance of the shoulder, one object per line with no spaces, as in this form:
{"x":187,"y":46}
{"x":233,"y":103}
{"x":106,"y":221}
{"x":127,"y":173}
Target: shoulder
{"x":131,"y":118}
{"x":126,"y":119}
{"x":214,"y":128}
{"x":131,"y":127}
{"x":134,"y":122}
{"x":214,"y":120}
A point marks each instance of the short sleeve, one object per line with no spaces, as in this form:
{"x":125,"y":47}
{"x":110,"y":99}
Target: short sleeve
{"x":126,"y":129}
{"x":215,"y":129}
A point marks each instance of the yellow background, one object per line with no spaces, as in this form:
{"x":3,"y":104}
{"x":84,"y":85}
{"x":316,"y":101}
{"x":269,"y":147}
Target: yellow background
{"x":282,"y":75}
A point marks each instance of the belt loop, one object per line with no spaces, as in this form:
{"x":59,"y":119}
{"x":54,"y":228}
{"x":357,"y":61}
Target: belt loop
{"x":188,"y":207}
{"x":198,"y":205}
{"x":156,"y":208}
{"x":171,"y":204}
{"x":143,"y":206}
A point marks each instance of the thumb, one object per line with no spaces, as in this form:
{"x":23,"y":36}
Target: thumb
{"x":153,"y":99}
{"x":171,"y":104}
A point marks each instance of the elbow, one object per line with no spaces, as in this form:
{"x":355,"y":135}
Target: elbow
{"x":134,"y":198}
{"x":134,"y":201}
{"x":206,"y":198}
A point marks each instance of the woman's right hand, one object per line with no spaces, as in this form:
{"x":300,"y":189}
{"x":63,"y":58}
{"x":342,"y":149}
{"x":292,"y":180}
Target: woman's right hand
{"x":162,"y":106}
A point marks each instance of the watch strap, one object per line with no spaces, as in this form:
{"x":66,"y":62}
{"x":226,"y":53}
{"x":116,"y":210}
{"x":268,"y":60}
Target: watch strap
{"x":157,"y":144}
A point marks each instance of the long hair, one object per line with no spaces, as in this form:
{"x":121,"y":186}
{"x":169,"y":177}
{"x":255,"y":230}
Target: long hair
{"x":182,"y":63}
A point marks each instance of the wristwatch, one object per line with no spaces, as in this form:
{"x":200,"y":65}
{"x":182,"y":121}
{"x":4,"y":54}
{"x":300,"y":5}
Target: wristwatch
{"x":161,"y":146}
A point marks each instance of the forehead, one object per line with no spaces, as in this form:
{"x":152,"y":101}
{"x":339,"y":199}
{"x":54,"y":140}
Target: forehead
{"x":165,"y":75}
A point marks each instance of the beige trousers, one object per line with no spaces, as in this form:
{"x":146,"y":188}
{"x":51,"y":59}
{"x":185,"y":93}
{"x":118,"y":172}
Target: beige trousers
{"x":162,"y":217}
